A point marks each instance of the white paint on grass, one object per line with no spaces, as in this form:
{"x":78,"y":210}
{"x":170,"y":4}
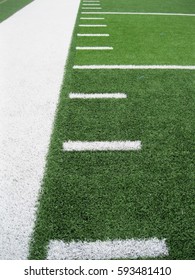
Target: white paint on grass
{"x":92,"y":25}
{"x":107,"y":250}
{"x":88,"y":18}
{"x":135,"y":13}
{"x":97,"y":95}
{"x":123,"y":67}
{"x":91,"y":4}
{"x":85,"y":1}
{"x":33,"y":50}
{"x":94,"y":48}
{"x":102,"y":146}
{"x":93,"y":35}
{"x":91,"y":8}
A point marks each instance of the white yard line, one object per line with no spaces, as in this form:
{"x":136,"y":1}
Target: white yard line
{"x":107,"y":250}
{"x":135,"y":13}
{"x":92,"y":25}
{"x":88,"y":18}
{"x":102,"y":146}
{"x":91,"y":8}
{"x":33,"y":50}
{"x":93,"y":35}
{"x":96,"y":95}
{"x":91,"y":4}
{"x":134,"y":67}
{"x":94,"y":48}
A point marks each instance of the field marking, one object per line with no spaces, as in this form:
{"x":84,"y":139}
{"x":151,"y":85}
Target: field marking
{"x":27,"y":111}
{"x":91,"y":4}
{"x":107,"y":250}
{"x":91,"y":8}
{"x":93,"y":35}
{"x":92,"y":25}
{"x":94,"y":48}
{"x":102,"y":146}
{"x":135,"y":13}
{"x":167,"y":67}
{"x":91,"y":18}
{"x":96,"y":95}
{"x":84,"y":1}
{"x":3,"y":1}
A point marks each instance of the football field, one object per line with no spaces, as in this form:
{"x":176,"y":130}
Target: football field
{"x":119,"y":178}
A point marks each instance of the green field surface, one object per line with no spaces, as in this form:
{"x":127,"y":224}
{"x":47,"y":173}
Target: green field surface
{"x":160,"y":6}
{"x":9,"y":7}
{"x":89,"y":196}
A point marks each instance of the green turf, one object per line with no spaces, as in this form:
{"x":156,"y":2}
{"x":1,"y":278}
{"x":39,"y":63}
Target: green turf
{"x":140,"y":40}
{"x":134,"y":194}
{"x":163,"y":6}
{"x":9,"y":7}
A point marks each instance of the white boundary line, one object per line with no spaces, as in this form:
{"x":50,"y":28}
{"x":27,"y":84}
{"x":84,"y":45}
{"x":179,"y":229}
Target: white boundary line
{"x":101,"y":146}
{"x":94,"y":48}
{"x":123,"y":67}
{"x":96,"y":95}
{"x":107,"y":250}
{"x":135,"y":13}
{"x":93,"y":35}
{"x":31,"y":74}
{"x":92,"y":25}
{"x":91,"y":4}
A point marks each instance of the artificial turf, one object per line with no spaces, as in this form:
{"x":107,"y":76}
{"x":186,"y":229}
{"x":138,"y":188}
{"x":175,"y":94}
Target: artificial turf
{"x":118,"y":195}
{"x":9,"y":7}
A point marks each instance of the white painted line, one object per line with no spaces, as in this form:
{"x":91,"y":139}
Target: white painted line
{"x":97,"y":95}
{"x":91,"y":8}
{"x":174,"y":67}
{"x":131,"y":13}
{"x":90,"y":1}
{"x":102,"y":146}
{"x":91,"y":4}
{"x":32,"y":54}
{"x":107,"y":250}
{"x":93,"y":35}
{"x":98,"y":18}
{"x":92,"y":25}
{"x":94,"y":48}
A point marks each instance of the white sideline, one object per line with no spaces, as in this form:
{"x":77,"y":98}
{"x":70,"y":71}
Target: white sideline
{"x":33,"y":50}
{"x":91,"y":4}
{"x":93,"y":35}
{"x":174,"y":67}
{"x":136,"y":13}
{"x":96,"y":95}
{"x":107,"y":250}
{"x":94,"y":48}
{"x":91,"y":8}
{"x":102,"y":146}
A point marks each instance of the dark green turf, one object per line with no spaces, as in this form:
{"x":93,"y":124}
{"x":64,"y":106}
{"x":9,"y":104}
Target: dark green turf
{"x":10,"y":7}
{"x":111,"y":195}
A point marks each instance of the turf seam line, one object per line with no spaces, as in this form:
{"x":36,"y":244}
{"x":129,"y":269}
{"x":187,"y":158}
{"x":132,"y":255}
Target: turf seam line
{"x":101,"y":146}
{"x":110,"y":249}
{"x":74,"y":95}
